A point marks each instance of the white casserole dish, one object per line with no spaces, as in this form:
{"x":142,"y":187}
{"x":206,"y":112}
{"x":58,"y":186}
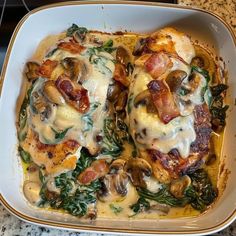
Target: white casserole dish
{"x":111,"y":17}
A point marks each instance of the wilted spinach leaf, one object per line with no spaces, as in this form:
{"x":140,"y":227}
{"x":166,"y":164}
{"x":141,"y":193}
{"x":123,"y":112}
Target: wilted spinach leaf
{"x":25,"y":156}
{"x":163,"y":196}
{"x":201,"y":192}
{"x":141,"y":205}
{"x":70,"y":31}
{"x":107,"y":47}
{"x":115,"y":209}
{"x":87,"y":118}
{"x":217,"y":108}
{"x":202,"y":72}
{"x":218,"y":89}
{"x":112,"y":144}
{"x":59,"y":135}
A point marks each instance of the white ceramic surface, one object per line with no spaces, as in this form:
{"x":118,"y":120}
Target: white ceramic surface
{"x":113,"y":16}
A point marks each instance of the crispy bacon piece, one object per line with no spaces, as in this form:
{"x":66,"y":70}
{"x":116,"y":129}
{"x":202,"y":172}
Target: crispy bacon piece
{"x":71,"y":47}
{"x":120,"y":74}
{"x":98,"y":169}
{"x":157,"y":64}
{"x":163,"y":100}
{"x":47,"y":68}
{"x":74,"y":94}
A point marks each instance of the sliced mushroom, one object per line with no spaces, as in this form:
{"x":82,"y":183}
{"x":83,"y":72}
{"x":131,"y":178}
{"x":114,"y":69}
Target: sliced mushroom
{"x":160,"y":208}
{"x":52,"y":93}
{"x":121,"y":101}
{"x":122,"y":55}
{"x":40,"y":106}
{"x":175,"y":78}
{"x":116,"y":166}
{"x":202,"y":58}
{"x":32,"y":70}
{"x":78,"y":70}
{"x":80,"y":34}
{"x":142,"y":98}
{"x":137,"y":169}
{"x":51,"y":186}
{"x":115,"y":184}
{"x":113,"y":91}
{"x":31,"y":191}
{"x":177,"y":187}
{"x":139,"y":47}
{"x":39,"y":103}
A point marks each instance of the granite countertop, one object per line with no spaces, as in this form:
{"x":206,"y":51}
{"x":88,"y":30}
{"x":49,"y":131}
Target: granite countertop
{"x":10,"y":225}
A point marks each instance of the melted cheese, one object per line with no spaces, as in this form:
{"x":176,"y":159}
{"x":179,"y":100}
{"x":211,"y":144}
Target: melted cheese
{"x":178,"y":133}
{"x":66,"y":117}
{"x":182,"y":44}
{"x":147,"y":129}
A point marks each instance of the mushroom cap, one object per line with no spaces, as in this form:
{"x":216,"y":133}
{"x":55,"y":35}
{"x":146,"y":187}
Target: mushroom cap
{"x":115,"y":183}
{"x":52,"y":93}
{"x":77,"y":69}
{"x":175,"y":79}
{"x":137,"y":169}
{"x":177,"y":187}
{"x":31,"y":191}
{"x":122,"y":55}
{"x":32,"y":72}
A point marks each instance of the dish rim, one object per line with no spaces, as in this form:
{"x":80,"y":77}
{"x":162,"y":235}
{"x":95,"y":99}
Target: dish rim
{"x":72,"y":226}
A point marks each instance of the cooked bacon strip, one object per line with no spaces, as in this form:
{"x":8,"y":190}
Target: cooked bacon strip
{"x":71,"y":47}
{"x":98,"y":169}
{"x":157,"y":64}
{"x":74,"y":94}
{"x":163,"y":100}
{"x":120,"y":74}
{"x":47,"y":68}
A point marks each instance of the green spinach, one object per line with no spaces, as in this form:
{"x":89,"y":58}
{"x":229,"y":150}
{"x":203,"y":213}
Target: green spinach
{"x":163,"y":196}
{"x":115,"y":209}
{"x":203,"y":72}
{"x":25,"y":156}
{"x":141,"y":205}
{"x":201,"y":192}
{"x":83,"y":162}
{"x":218,"y":89}
{"x":22,"y":132}
{"x":217,"y":108}
{"x":107,"y":47}
{"x":60,"y":135}
{"x":111,"y":143}
{"x":65,"y":184}
{"x":51,"y":52}
{"x":87,"y":118}
{"x":81,"y":31}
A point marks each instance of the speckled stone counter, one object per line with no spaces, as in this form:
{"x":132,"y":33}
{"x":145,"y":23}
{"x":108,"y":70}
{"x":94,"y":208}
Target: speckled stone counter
{"x":11,"y":226}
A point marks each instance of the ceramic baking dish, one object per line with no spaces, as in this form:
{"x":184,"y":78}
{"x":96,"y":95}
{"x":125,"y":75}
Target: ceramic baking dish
{"x":110,"y":17}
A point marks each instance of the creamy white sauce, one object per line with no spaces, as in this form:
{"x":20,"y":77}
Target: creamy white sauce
{"x":183,"y":46}
{"x":151,"y":133}
{"x":66,"y":117}
{"x":178,"y":133}
{"x":152,"y":184}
